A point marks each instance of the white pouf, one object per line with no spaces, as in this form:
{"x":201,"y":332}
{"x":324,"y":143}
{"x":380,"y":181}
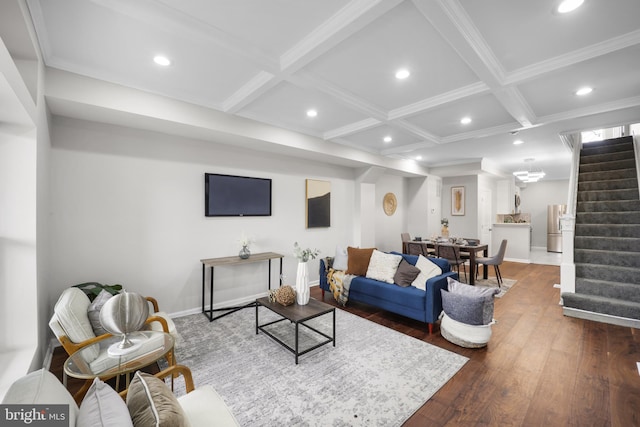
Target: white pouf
{"x":469,"y":336}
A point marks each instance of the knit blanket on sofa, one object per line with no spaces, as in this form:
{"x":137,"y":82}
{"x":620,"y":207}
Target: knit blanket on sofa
{"x":339,"y":284}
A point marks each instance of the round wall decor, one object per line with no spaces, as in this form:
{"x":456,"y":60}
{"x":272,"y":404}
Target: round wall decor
{"x":389,"y":203}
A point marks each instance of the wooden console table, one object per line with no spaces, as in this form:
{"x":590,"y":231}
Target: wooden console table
{"x":232,"y":260}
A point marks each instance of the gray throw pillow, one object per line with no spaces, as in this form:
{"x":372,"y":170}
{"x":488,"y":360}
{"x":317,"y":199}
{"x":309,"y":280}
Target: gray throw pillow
{"x":465,"y":309}
{"x":94,"y":312}
{"x":477,"y":291}
{"x":405,"y":274}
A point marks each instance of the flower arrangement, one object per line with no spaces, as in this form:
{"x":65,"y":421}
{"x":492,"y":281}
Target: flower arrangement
{"x":304,"y":255}
{"x":245,"y":240}
{"x":444,"y":222}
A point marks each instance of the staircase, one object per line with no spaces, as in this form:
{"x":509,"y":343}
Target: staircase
{"x":607,"y":232}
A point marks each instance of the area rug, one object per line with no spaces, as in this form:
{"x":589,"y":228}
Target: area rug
{"x":493,"y":283}
{"x":374,"y":376}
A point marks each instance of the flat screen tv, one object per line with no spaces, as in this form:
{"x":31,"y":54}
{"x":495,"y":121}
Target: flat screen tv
{"x":230,"y":195}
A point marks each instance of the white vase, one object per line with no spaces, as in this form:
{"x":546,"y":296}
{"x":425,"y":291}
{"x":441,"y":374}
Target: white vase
{"x":302,"y":284}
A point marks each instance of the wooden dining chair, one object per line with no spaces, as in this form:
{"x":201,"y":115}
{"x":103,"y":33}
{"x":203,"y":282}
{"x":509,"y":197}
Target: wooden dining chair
{"x":452,"y":254}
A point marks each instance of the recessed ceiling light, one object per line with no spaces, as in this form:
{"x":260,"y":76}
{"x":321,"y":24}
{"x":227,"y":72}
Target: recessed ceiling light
{"x":162,"y":60}
{"x":518,"y":142}
{"x":387,"y":139}
{"x":465,"y":120}
{"x":402,"y":74}
{"x":569,"y":5}
{"x":418,"y":157}
{"x":584,"y":91}
{"x":312,"y":113}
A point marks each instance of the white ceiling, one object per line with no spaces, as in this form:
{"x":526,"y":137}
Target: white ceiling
{"x":508,"y":64}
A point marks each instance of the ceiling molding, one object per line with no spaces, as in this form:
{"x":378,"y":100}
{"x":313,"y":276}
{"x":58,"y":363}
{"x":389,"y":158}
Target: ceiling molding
{"x":416,"y":130}
{"x":349,"y":20}
{"x":473,"y":89}
{"x":408,"y":148}
{"x":352,"y":128}
{"x":250,"y":91}
{"x":480,"y":133}
{"x":562,"y":61}
{"x":515,"y":104}
{"x":588,"y":111}
{"x":461,"y":20}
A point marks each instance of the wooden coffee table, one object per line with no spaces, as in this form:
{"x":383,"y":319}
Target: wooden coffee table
{"x":298,"y":315}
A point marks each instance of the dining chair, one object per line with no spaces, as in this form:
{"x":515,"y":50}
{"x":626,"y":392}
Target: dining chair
{"x":452,"y":254}
{"x":495,"y":260}
{"x":417,"y":248}
{"x":406,"y":238}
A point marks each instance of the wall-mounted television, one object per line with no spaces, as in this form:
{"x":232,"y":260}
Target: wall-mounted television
{"x":230,"y":195}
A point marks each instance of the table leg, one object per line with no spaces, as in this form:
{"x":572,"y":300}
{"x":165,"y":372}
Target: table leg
{"x":280,"y":271}
{"x":211,"y":296}
{"x":472,"y":267}
{"x":296,"y":343}
{"x":203,"y":285}
{"x":269,"y":274}
{"x":485,"y":271}
{"x":257,"y":305}
{"x":334,"y":327}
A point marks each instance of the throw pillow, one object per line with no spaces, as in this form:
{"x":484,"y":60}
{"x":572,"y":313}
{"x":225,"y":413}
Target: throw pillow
{"x":151,"y":403}
{"x":463,"y":308}
{"x":71,"y":313}
{"x":383,"y":266}
{"x":405,"y":274}
{"x":102,"y":406}
{"x":477,"y":291}
{"x":340,"y":260}
{"x":94,"y":312}
{"x":358,"y":260}
{"x":428,"y":270}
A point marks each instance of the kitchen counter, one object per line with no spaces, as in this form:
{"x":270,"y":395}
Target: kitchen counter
{"x":518,"y":237}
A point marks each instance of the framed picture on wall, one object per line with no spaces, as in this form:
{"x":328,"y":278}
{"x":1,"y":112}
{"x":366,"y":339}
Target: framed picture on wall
{"x":457,"y":200}
{"x":318,"y":203}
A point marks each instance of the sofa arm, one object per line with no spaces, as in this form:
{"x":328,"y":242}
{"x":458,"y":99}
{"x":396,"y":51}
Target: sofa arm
{"x":324,"y":283}
{"x":434,"y":296}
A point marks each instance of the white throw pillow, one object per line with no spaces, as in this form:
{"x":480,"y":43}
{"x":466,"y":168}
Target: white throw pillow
{"x":340,"y":261}
{"x":71,"y":312}
{"x":428,"y":270}
{"x":383,"y":266}
{"x":102,"y":406}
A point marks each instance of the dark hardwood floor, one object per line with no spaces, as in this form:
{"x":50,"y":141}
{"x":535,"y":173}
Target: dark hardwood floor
{"x":539,"y":369}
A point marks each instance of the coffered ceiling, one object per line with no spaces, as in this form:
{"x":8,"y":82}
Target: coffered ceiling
{"x":509,"y":65}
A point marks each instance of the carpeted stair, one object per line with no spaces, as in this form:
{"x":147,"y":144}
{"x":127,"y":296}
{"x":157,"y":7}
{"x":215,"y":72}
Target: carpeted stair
{"x":607,"y":234}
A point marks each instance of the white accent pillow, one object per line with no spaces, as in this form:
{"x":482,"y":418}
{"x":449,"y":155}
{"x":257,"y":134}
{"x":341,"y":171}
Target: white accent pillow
{"x":383,"y":266}
{"x":41,"y":387}
{"x":428,"y":270}
{"x":340,"y":261}
{"x":71,"y":312}
{"x":102,"y":406}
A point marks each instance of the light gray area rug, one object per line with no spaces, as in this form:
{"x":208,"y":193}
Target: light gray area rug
{"x":492,"y":282}
{"x":374,"y":376}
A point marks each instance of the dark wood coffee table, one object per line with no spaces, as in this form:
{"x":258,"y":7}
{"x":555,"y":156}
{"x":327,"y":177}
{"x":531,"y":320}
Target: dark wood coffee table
{"x":297,"y":314}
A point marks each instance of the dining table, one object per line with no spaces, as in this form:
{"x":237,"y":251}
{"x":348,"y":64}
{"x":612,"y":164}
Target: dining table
{"x":470,"y":250}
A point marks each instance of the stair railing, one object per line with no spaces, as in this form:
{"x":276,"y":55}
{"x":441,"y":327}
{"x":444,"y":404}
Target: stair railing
{"x":568,"y":220}
{"x":636,"y":151}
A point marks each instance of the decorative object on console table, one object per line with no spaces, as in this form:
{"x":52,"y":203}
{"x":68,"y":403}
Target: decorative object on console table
{"x":302,"y":276}
{"x":318,"y":203}
{"x":457,"y":201}
{"x":244,"y":251}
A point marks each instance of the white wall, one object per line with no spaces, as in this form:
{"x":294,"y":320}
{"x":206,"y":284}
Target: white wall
{"x":534,"y":199}
{"x":388,"y":228}
{"x":461,"y":225}
{"x":128,"y":207}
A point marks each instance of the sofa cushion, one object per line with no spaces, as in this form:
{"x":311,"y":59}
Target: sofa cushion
{"x":93,"y":312}
{"x":487,"y":293}
{"x":340,"y":261}
{"x":408,"y":297}
{"x":102,"y":406}
{"x":358,"y":260}
{"x":440,"y":262}
{"x":463,"y":308}
{"x":151,"y":403}
{"x":41,"y":387}
{"x":405,"y":274}
{"x":428,"y":270}
{"x":383,"y":266}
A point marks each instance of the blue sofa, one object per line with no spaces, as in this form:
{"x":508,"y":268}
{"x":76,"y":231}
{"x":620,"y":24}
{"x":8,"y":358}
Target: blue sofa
{"x":411,"y":302}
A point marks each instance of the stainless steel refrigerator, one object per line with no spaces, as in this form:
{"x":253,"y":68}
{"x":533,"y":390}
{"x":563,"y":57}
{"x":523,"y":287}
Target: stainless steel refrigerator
{"x":554,"y":236}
